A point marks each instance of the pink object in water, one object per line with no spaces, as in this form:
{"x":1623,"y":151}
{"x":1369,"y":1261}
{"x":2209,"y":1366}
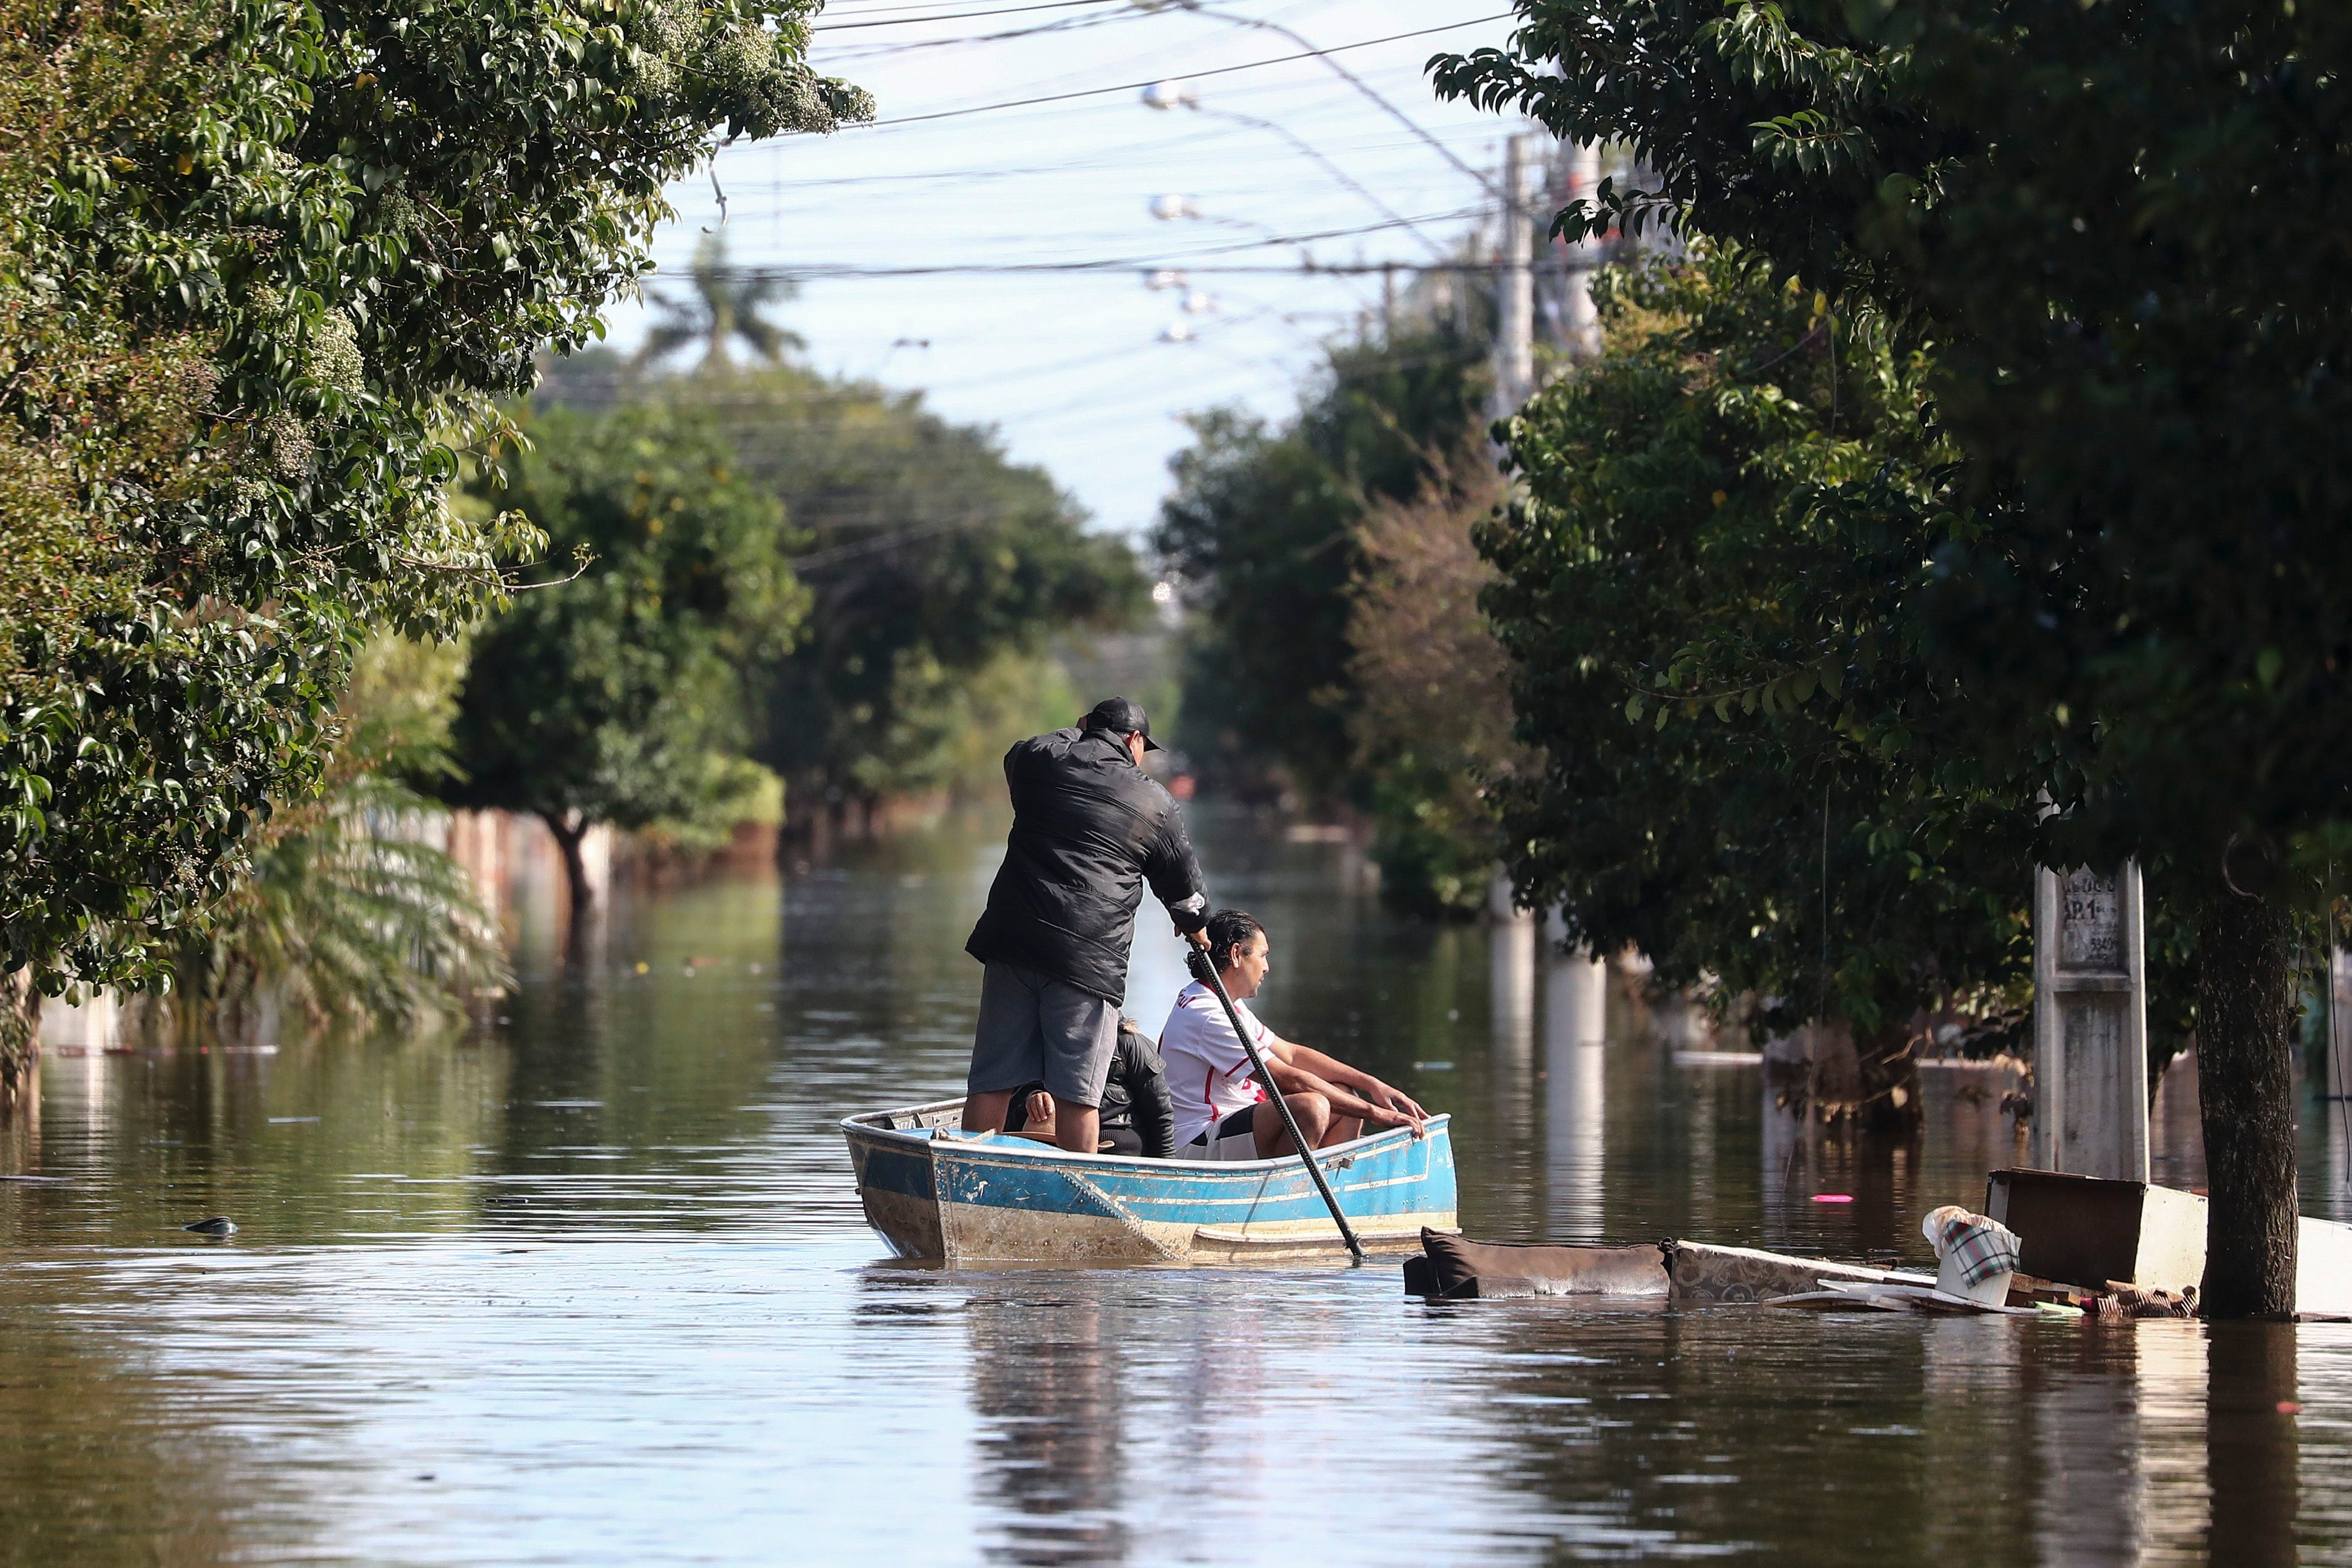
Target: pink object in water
{"x":1833,"y":1197}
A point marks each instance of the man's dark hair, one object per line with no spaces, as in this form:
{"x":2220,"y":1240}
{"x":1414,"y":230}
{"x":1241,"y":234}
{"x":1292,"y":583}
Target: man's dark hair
{"x":1228,"y":929}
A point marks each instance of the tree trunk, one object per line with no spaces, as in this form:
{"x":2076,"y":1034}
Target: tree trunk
{"x":2245,"y":1078}
{"x":569,"y":833}
{"x":1890,"y":1080}
{"x":1866,"y":1081}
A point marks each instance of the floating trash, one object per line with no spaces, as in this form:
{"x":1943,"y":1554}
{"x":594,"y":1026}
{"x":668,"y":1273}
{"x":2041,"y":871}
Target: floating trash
{"x":219,"y":1225}
{"x":1833,"y":1197}
{"x":1431,"y":1066}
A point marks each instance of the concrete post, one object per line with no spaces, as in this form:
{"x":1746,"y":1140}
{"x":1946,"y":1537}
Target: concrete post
{"x":1515,"y":288}
{"x":2090,"y":1024}
{"x":1582,"y":258}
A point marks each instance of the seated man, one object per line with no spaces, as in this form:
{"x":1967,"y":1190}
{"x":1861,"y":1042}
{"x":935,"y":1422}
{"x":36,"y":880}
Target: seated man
{"x":1137,"y":1118}
{"x":1222,"y":1112}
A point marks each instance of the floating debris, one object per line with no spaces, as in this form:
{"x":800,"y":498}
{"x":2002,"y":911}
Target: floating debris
{"x":1833,"y":1197}
{"x":1432,"y":1067}
{"x":219,"y":1225}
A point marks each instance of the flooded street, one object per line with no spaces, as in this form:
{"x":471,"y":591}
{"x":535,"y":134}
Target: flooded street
{"x":589,"y":1285}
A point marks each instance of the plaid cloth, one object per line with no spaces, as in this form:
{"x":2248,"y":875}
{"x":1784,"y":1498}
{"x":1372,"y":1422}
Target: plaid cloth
{"x":1983,"y":1248}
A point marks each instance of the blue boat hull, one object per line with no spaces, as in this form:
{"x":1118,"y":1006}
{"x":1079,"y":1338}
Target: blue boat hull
{"x":935,"y":1193}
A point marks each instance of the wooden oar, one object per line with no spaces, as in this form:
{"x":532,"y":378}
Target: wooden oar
{"x":1197,"y":960}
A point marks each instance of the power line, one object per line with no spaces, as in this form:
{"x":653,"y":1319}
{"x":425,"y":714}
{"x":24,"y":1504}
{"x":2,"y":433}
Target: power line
{"x":1399,"y":115}
{"x":854,"y":271}
{"x":855,"y":53}
{"x":963,"y":15}
{"x":1115,"y":159}
{"x":1140,"y":85}
{"x":1303,"y":145}
{"x":1177,"y":261}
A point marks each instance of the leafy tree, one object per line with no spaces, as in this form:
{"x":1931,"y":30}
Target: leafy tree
{"x":725,"y":305}
{"x":2108,"y":219}
{"x":1263,"y":530}
{"x":930,"y":560}
{"x":1744,"y":779}
{"x":1431,"y":725}
{"x":349,"y":916}
{"x":256,"y":263}
{"x":618,"y":696}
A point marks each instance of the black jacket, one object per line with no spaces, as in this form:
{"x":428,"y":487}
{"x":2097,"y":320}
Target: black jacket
{"x":1089,"y":827}
{"x":1134,"y":1095}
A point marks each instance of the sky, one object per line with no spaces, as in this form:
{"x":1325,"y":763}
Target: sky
{"x":1070,"y":366}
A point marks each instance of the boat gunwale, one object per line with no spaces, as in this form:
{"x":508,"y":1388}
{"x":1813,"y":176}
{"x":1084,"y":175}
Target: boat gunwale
{"x":861,"y":1125}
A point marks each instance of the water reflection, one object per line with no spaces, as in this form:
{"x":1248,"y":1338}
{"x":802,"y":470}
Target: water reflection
{"x":2253,"y":1419}
{"x":1045,"y":1391}
{"x":600,"y":1276}
{"x":1575,"y":1097}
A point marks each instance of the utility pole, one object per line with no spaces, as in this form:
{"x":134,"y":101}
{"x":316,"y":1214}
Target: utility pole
{"x":1515,"y":288}
{"x":1387,"y":303}
{"x":1515,"y":379}
{"x":1583,"y":258}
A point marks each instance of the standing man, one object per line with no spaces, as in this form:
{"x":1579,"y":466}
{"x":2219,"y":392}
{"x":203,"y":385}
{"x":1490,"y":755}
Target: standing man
{"x":1089,"y":829}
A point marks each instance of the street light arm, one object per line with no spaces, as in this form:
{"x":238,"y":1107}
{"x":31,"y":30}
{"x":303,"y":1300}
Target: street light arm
{"x":1329,"y":167}
{"x":1352,"y":80}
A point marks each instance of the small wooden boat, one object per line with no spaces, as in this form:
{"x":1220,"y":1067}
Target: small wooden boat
{"x":936,"y":1192}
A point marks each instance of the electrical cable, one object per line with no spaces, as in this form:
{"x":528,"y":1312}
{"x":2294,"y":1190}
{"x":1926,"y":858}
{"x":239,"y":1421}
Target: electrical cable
{"x":854,"y":272}
{"x":968,"y":175}
{"x":853,"y":55}
{"x":1139,"y":86}
{"x":1178,"y":261}
{"x":967,"y":15}
{"x":1399,"y":115}
{"x":1329,"y":167}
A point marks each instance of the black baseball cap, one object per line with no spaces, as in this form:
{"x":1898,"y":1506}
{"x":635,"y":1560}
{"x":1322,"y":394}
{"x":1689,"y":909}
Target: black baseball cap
{"x":1123,"y":716}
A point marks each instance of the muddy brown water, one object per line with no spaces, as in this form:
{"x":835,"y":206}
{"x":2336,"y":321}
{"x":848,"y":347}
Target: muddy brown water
{"x":591,"y":1287}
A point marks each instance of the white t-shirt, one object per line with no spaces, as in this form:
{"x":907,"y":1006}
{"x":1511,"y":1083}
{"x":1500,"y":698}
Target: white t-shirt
{"x":1209,"y":1074}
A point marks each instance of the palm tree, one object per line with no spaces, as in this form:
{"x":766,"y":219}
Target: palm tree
{"x":725,"y":304}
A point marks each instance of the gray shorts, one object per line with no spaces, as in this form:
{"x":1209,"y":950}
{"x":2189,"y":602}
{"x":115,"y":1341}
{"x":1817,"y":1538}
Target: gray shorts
{"x":1035,"y":1030}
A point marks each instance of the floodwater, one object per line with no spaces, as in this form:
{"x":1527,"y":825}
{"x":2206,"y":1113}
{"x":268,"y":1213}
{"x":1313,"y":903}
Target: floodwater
{"x":589,"y":1285}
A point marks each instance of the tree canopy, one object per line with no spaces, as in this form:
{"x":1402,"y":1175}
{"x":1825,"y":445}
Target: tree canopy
{"x":262,"y":269}
{"x":938,"y":570}
{"x":1262,"y":530}
{"x":1745,"y":775}
{"x":2112,"y":228}
{"x":618,"y":696}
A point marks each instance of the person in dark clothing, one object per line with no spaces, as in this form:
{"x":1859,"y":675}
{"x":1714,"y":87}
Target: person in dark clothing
{"x":1090,"y":829}
{"x":1138,"y":1115}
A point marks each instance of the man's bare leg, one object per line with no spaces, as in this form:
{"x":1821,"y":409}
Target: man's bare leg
{"x":1312,"y":1112}
{"x":1078,"y":1128}
{"x":985,"y":1112}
